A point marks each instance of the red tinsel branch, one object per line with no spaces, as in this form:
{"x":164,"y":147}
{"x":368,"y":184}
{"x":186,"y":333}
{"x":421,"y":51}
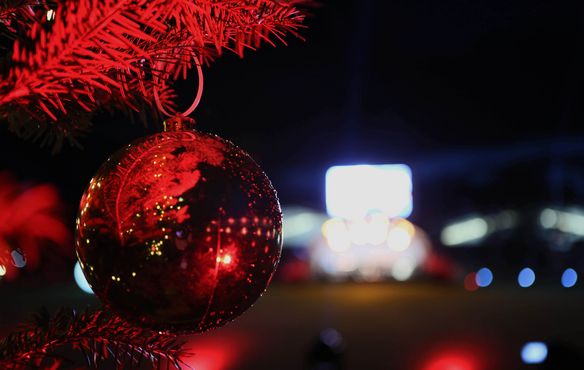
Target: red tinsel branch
{"x":98,"y":52}
{"x":99,"y":336}
{"x":19,"y":15}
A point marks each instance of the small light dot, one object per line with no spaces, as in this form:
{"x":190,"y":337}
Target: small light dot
{"x":569,"y":278}
{"x":534,"y":352}
{"x":526,"y":277}
{"x":484,"y":277}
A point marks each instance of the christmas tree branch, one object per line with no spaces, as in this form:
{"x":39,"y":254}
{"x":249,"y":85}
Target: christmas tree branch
{"x":97,"y":52}
{"x":98,"y":335}
{"x":18,"y":15}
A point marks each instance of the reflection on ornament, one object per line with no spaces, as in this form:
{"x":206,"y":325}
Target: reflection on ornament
{"x":180,"y":231}
{"x":80,"y":279}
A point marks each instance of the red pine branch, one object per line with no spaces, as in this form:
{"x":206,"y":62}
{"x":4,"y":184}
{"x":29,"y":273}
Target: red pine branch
{"x":101,"y":52}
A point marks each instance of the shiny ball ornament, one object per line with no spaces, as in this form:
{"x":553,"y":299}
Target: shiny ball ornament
{"x":179,"y":231}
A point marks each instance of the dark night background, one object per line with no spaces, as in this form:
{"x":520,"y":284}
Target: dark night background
{"x":483,"y":99}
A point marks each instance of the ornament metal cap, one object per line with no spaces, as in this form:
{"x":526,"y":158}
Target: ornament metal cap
{"x":179,"y":122}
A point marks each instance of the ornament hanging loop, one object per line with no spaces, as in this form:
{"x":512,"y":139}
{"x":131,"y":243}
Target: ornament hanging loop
{"x":162,"y":82}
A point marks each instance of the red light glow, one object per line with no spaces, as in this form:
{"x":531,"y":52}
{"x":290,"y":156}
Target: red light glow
{"x":30,"y":222}
{"x":470,"y":282}
{"x":217,"y":352}
{"x":452,"y":361}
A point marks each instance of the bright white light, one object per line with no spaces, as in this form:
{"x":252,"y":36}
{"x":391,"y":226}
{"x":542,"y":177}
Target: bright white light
{"x":548,"y":218}
{"x":526,"y":277}
{"x":346,"y":263}
{"x":2,"y":270}
{"x":336,"y":234}
{"x":298,"y":224}
{"x":301,"y":225}
{"x":50,"y":15}
{"x":359,"y":232}
{"x":398,"y":239}
{"x":403,"y":269}
{"x":372,"y":230}
{"x":400,"y":235}
{"x":534,"y":352}
{"x":484,"y":277}
{"x":464,"y":232}
{"x":353,"y":192}
{"x":566,"y":221}
{"x":570,"y":222}
{"x":378,"y":224}
{"x":569,"y":278}
{"x":80,"y":279}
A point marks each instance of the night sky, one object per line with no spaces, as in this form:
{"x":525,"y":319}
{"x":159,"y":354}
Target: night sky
{"x":481,"y":98}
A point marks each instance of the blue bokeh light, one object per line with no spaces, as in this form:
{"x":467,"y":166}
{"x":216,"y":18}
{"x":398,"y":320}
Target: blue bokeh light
{"x":534,"y":352}
{"x":484,"y":277}
{"x":569,"y":278}
{"x":526,"y":277}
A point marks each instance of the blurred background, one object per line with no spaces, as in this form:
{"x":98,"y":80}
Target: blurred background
{"x":429,"y":159}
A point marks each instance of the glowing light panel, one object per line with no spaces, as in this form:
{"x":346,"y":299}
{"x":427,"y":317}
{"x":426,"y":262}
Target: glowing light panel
{"x":526,"y":277}
{"x":534,"y":352}
{"x":80,"y":279}
{"x":352,"y":192}
{"x":569,"y":278}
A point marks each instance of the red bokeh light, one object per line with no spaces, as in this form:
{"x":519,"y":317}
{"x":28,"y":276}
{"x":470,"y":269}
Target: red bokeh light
{"x":470,"y":282}
{"x":31,"y":220}
{"x":217,"y":352}
{"x":452,"y":361}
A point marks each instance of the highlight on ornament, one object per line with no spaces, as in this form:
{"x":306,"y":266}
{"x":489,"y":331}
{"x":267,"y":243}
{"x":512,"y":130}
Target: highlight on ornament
{"x":80,"y":279}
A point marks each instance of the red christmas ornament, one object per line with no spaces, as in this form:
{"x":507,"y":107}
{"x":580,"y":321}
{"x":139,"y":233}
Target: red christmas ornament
{"x":179,"y":231}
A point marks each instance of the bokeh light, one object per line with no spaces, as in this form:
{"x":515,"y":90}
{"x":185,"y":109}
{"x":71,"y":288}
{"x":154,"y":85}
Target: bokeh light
{"x":403,"y":269}
{"x":569,"y":278}
{"x":526,"y":277}
{"x":484,"y":277}
{"x":331,"y":338}
{"x":452,"y":361}
{"x":470,"y":282}
{"x":336,"y":234}
{"x":400,"y":235}
{"x":534,"y":352}
{"x":463,"y":232}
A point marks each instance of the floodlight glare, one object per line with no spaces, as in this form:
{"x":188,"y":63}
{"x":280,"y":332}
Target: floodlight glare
{"x":353,"y":192}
